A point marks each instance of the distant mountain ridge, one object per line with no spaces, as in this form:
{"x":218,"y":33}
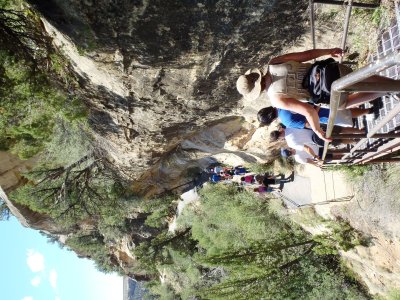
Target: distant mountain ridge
{"x":133,"y":290}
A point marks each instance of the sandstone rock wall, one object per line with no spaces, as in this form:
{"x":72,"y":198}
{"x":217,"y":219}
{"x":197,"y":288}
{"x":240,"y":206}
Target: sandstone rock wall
{"x":156,"y":73}
{"x":11,"y":168}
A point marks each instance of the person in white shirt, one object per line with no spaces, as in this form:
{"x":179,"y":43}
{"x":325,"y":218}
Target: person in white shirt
{"x":305,"y":146}
{"x":303,"y":157}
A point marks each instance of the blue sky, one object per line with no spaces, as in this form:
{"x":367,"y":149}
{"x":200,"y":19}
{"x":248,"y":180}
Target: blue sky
{"x":33,"y":269}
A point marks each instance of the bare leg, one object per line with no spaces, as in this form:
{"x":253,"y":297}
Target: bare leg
{"x":356,"y":99}
{"x":358,"y":112}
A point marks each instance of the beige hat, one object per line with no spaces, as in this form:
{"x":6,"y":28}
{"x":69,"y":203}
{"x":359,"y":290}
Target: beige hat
{"x":249,"y":84}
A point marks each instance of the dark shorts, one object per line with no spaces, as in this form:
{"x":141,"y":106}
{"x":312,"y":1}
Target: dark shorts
{"x":336,"y":129}
{"x":320,"y":143}
{"x":268,"y":181}
{"x":328,"y":156}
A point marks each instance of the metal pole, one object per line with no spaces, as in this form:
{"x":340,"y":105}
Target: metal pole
{"x":378,"y":161}
{"x":346,"y":27}
{"x":386,"y":135}
{"x":373,"y":134}
{"x":328,"y":164}
{"x":384,"y":150}
{"x":345,"y":151}
{"x":367,"y":71}
{"x":361,"y":136}
{"x":390,"y":86}
{"x":348,"y":136}
{"x":356,"y":4}
{"x":312,"y":22}
{"x":357,"y":146}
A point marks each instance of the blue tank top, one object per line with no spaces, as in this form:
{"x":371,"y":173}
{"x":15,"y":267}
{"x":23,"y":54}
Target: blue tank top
{"x":295,"y":120}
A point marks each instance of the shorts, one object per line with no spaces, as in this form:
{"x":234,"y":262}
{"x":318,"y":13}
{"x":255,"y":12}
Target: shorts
{"x":316,"y":139}
{"x":335,"y":130}
{"x":328,"y":156}
{"x":268,"y":181}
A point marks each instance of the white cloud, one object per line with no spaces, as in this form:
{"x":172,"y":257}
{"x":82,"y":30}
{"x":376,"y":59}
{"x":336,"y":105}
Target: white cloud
{"x":53,"y":278}
{"x":35,"y":261}
{"x":36,"y":281}
{"x":57,"y":298}
{"x":27,"y":298}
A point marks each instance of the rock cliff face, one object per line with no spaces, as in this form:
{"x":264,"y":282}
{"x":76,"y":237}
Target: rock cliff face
{"x":10,"y":170}
{"x":158,"y":74}
{"x":10,"y":178}
{"x":159,"y":78}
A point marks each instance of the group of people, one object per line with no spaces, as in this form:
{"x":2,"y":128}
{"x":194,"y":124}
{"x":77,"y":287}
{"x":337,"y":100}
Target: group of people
{"x":267,"y":183}
{"x":301,"y":115}
{"x":245,"y":179}
{"x":219,"y":173}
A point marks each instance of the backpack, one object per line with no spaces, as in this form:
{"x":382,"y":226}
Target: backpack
{"x":319,"y":78}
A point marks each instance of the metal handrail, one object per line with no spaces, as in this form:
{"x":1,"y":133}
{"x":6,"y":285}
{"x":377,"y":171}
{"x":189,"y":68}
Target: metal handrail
{"x":312,"y":22}
{"x":346,"y":27}
{"x":345,"y":84}
{"x":390,"y":147}
{"x":355,"y":4}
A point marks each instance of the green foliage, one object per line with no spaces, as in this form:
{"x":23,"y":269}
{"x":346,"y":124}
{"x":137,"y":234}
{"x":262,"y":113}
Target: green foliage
{"x":240,"y":249}
{"x":184,"y":272}
{"x":30,"y":107}
{"x":279,"y":164}
{"x":326,"y":280}
{"x":230,"y":219}
{"x":159,"y":210}
{"x":261,"y":168}
{"x":52,"y":239}
{"x":112,"y":224}
{"x":156,"y":251}
{"x":340,"y":237}
{"x":351,"y":171}
{"x":69,"y":143}
{"x":163,"y":291}
{"x":70,"y":183}
{"x":88,"y":41}
{"x":312,"y":278}
{"x":32,"y":99}
{"x":5,"y":4}
{"x":376,"y":16}
{"x":73,"y":184}
{"x":393,"y":294}
{"x":93,"y":246}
